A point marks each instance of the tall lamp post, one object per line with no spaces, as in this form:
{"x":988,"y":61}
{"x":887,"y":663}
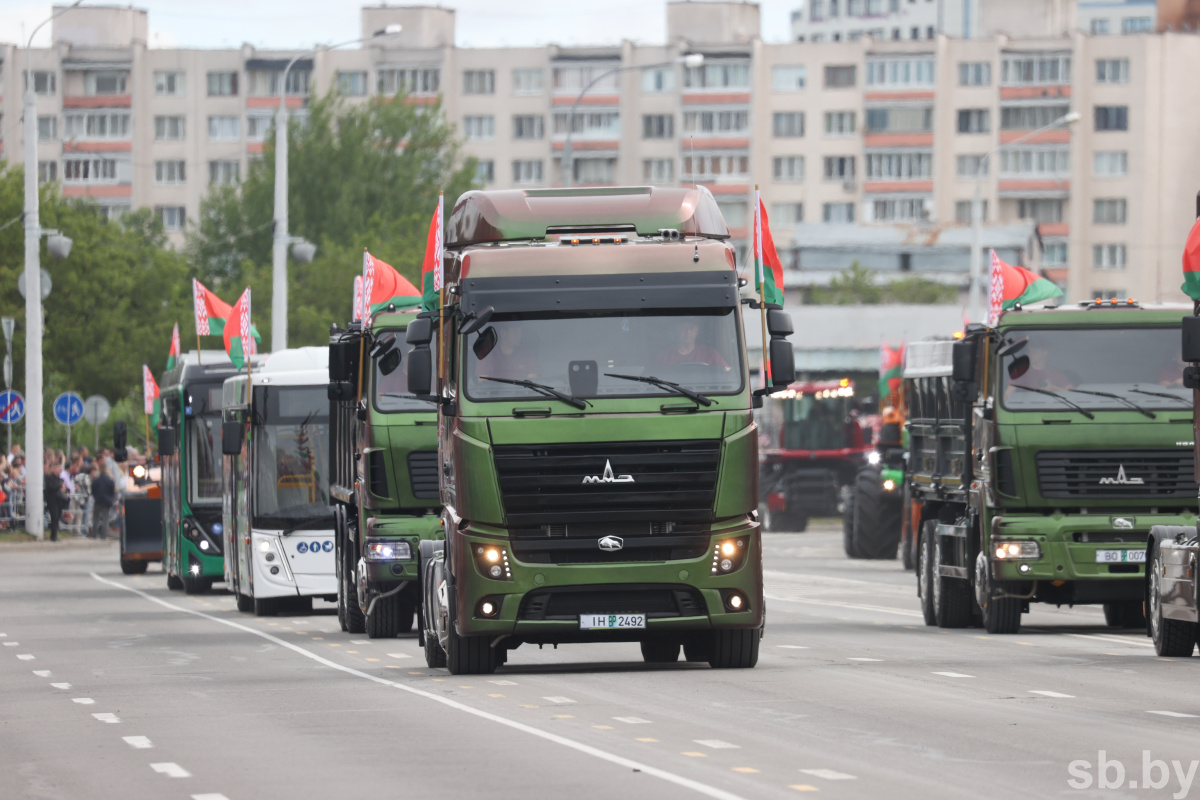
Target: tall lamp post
{"x":34,"y":457}
{"x":975,"y":309}
{"x":691,"y":60}
{"x":302,"y":250}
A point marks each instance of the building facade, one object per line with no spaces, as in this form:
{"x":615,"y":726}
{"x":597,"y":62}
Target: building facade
{"x":870,"y":132}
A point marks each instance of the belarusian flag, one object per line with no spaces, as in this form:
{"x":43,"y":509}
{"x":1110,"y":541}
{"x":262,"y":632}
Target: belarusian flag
{"x":891,"y":369}
{"x":1191,"y":263}
{"x":238,"y":338}
{"x":383,"y":285}
{"x":173,"y":353}
{"x":211,"y":312}
{"x":357,"y":313}
{"x":1011,"y":285}
{"x":149,"y":390}
{"x":431,"y":267}
{"x":769,"y":281}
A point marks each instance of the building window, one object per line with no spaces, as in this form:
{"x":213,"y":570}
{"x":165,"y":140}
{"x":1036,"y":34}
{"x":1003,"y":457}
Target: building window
{"x":1108,"y":256}
{"x":1112,"y":70}
{"x":658,"y":170}
{"x":1112,"y":118}
{"x":485,"y":171}
{"x":595,"y":124}
{"x":1054,"y":254}
{"x":47,"y":171}
{"x":974,"y":120}
{"x":266,"y":82}
{"x":573,"y":79}
{"x":962,"y":211}
{"x":258,"y":126}
{"x":1111,"y":164}
{"x":169,"y":83}
{"x":169,"y":129}
{"x":89,"y":170}
{"x":716,"y":166}
{"x":594,"y":170}
{"x":840,"y":77}
{"x":734,"y":213}
{"x":1108,"y":212}
{"x":1036,"y":70}
{"x":47,"y":128}
{"x":171,"y":217}
{"x":716,"y":121}
{"x":222,"y":84}
{"x":658,"y":80}
{"x":789,"y":124}
{"x":529,"y":126}
{"x":838,"y":168}
{"x":975,"y":73}
{"x":105,"y":83}
{"x":717,"y":75}
{"x":1021,"y":118}
{"x":788,"y":79}
{"x":97,"y":125}
{"x":479,"y":128}
{"x":352,"y":84}
{"x":837,"y":212}
{"x":900,"y":72}
{"x":526,"y":172}
{"x":1036,"y":162}
{"x":899,"y":166}
{"x":1099,"y":27}
{"x":788,"y":168}
{"x":527,"y":81}
{"x":971,"y":166}
{"x":902,"y":119}
{"x":224,"y":128}
{"x":479,"y":81}
{"x":898,"y":209}
{"x":224,"y":173}
{"x":45,"y":83}
{"x":416,"y":81}
{"x":787,"y":213}
{"x":840,"y":123}
{"x":1131,"y":25}
{"x":816,"y":10}
{"x":658,"y":126}
{"x":1040,"y":210}
{"x":169,"y":172}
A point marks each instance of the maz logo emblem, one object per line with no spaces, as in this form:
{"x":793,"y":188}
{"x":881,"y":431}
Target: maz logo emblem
{"x":1121,"y":480}
{"x":1121,"y":523}
{"x":610,"y":544}
{"x":608,"y":476}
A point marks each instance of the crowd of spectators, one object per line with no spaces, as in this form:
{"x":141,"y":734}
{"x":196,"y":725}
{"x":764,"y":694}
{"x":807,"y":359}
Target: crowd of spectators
{"x":79,"y":492}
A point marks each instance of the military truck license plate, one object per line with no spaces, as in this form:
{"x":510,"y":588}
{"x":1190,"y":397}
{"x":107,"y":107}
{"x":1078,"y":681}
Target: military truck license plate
{"x":600,"y":622}
{"x":1120,"y":556}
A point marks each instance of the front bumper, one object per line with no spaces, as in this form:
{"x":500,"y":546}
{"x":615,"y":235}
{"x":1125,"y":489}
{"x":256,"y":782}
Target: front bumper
{"x":384,"y":575}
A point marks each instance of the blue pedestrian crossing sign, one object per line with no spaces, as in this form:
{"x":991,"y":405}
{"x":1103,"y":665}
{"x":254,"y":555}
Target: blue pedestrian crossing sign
{"x":12,"y":406}
{"x":68,"y":408}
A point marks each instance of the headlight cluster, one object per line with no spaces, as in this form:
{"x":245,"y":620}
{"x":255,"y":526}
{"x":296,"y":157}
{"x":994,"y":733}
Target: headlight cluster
{"x":873,"y":457}
{"x":387,"y":550}
{"x":889,"y":485}
{"x":1016,"y":550}
{"x":492,"y":561}
{"x":209,"y":545}
{"x":728,"y":555}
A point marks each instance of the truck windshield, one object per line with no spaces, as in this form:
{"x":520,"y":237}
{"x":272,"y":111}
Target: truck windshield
{"x":1105,"y":368}
{"x":571,"y":353}
{"x":204,"y":464}
{"x":391,"y":391}
{"x":291,"y":444}
{"x":811,"y":423}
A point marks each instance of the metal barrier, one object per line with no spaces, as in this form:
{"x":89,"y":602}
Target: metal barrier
{"x":12,"y":510}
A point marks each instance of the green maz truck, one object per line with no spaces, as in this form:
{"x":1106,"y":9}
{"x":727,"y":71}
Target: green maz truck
{"x":598,"y":452}
{"x":383,"y":475}
{"x":1043,"y":450}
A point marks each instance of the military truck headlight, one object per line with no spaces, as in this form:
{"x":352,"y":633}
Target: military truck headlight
{"x":873,"y":457}
{"x":1016,"y":550}
{"x":889,"y":485}
{"x":728,"y":555}
{"x":387,"y":550}
{"x":492,"y":561}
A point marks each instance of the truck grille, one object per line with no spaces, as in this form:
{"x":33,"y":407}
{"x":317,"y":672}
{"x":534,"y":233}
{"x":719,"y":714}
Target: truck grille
{"x":1103,"y":474}
{"x":608,"y":482}
{"x":423,"y":473}
{"x":586,"y":551}
{"x":656,"y":601}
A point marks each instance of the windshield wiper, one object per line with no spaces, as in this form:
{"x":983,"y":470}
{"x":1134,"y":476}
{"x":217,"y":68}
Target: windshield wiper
{"x":1055,"y":395}
{"x":308,"y":522}
{"x":668,"y":385}
{"x":543,"y":389}
{"x":1174,"y":397}
{"x":1124,"y":400}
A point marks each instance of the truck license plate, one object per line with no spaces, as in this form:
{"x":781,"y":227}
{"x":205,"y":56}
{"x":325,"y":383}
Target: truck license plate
{"x":600,"y":622}
{"x":1120,"y":556}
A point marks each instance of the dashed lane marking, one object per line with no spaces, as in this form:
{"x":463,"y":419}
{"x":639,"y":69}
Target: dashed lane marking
{"x":106,"y":717}
{"x":25,"y":656}
{"x":12,"y":644}
{"x":645,"y":739}
{"x":864,"y":659}
{"x":953,"y":675}
{"x":1117,"y":639}
{"x":42,"y":673}
{"x":495,"y":695}
{"x":1178,"y":714}
{"x":791,"y":647}
{"x":138,"y":742}
{"x":803,"y":787}
{"x":829,"y":774}
{"x":504,"y":683}
{"x":717,"y":744}
{"x":853,"y":606}
{"x":603,"y":727}
{"x":745,"y":769}
{"x":401,"y":655}
{"x":209,"y":797}
{"x":612,"y":758}
{"x":61,"y":685}
{"x":632,"y":720}
{"x":83,"y":701}
{"x":1048,"y":693}
{"x":693,"y":754}
{"x":170,"y":769}
{"x":560,"y":700}
{"x":360,"y":641}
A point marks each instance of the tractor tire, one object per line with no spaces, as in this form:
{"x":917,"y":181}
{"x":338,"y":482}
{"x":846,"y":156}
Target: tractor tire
{"x":998,"y":614}
{"x":1172,"y":638}
{"x":925,"y":571}
{"x":848,"y":542}
{"x":951,"y":596}
{"x":735,"y":648}
{"x":877,"y":517}
{"x":800,"y":525}
{"x":660,"y":651}
{"x":1127,"y":614}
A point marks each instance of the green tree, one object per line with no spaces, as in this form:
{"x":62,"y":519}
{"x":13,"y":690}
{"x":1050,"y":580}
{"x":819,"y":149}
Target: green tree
{"x":359,"y":176}
{"x":859,"y":286}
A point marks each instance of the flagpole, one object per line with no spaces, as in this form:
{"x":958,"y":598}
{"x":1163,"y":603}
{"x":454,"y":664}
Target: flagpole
{"x":760,"y":268}
{"x":198,"y":361}
{"x":439,"y":267}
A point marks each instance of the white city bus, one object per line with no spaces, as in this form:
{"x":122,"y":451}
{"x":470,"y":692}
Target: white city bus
{"x":277,"y":516}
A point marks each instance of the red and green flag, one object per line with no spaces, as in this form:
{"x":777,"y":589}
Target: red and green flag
{"x":173,"y":353}
{"x":382,"y":285}
{"x":768,"y":269}
{"x":1010,"y":286}
{"x":358,"y":299}
{"x":149,"y":390}
{"x":431,"y":267}
{"x":211,"y":312}
{"x":1191,"y":263}
{"x":891,"y":369}
{"x":238,"y":333}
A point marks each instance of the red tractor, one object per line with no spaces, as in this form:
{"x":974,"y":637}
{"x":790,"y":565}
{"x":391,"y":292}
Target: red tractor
{"x":812,"y":443}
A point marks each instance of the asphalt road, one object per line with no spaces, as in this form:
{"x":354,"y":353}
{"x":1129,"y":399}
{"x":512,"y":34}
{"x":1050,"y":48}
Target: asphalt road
{"x":113,"y":687}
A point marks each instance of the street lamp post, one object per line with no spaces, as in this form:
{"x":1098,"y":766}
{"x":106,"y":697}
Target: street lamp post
{"x":975,"y":310}
{"x":304,"y":251}
{"x":691,"y":60}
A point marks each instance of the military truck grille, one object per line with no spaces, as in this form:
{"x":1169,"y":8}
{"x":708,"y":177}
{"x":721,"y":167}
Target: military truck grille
{"x":587,"y":551}
{"x":423,"y":472}
{"x":608,"y":482}
{"x":656,"y":601}
{"x":1103,"y":474}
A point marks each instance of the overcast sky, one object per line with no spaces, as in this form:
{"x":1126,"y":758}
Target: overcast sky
{"x":480,"y":23}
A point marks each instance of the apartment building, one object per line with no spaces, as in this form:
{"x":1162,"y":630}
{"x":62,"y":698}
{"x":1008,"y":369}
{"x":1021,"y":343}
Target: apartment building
{"x":850,"y":134}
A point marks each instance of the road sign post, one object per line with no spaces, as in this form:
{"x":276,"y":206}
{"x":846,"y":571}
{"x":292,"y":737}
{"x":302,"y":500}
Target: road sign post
{"x":68,"y":410}
{"x":95,"y":411}
{"x":12,"y":408}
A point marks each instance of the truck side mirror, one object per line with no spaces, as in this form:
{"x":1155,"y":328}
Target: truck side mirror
{"x":166,"y":442}
{"x":120,"y":454}
{"x":420,"y":370}
{"x":783,"y":362}
{"x":1191,"y":339}
{"x":419,"y":331}
{"x":962,"y":361}
{"x":476,"y":321}
{"x":343,"y":361}
{"x":390,"y":361}
{"x":779,"y":322}
{"x":231,"y":438}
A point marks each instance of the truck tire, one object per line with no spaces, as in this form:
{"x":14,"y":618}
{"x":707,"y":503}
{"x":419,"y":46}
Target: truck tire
{"x":266,"y":606}
{"x":660,"y":651}
{"x":435,"y":656}
{"x":735,"y":648}
{"x":245,"y":604}
{"x":133,"y":567}
{"x":383,"y":618}
{"x":848,"y":542}
{"x":196,"y":585}
{"x":1127,"y":614}
{"x":999,"y":614}
{"x":407,"y":617}
{"x":877,"y":517}
{"x":469,"y":655}
{"x":908,"y":548}
{"x":173,"y":583}
{"x":697,"y":647}
{"x":355,"y":620}
{"x":951,"y":596}
{"x":1173,"y":638}
{"x":925,"y":572}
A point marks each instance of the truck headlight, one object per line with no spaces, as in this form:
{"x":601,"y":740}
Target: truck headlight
{"x":889,"y":485}
{"x":728,"y":555}
{"x":1015,"y":550}
{"x":492,"y":561}
{"x":387,"y":550}
{"x":873,"y":457}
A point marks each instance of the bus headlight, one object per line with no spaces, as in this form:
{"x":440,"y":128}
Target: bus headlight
{"x":387,"y":550}
{"x":1015,"y":550}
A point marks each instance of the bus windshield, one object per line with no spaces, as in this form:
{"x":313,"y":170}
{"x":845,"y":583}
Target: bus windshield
{"x":291,"y":444}
{"x":204,"y":466}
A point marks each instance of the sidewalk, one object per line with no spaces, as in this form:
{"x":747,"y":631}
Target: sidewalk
{"x":70,"y":542}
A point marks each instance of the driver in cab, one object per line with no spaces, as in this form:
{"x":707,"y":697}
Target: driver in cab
{"x":686,"y":350}
{"x":509,"y":359}
{"x":1040,"y":374}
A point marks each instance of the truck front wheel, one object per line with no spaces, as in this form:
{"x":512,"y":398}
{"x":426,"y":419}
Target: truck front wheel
{"x":1173,"y":638}
{"x":925,"y":571}
{"x":951,"y":596}
{"x":735,"y":648}
{"x":350,"y":614}
{"x":1000,"y":614}
{"x":1127,"y":614}
{"x":469,"y":655}
{"x":389,"y":617}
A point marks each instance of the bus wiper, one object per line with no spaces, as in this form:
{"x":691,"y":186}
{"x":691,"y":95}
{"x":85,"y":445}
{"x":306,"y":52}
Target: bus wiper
{"x":668,"y":385}
{"x":308,"y":522}
{"x":543,"y":389}
{"x":1055,"y":395}
{"x":1124,"y":400}
{"x":1174,"y":397}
